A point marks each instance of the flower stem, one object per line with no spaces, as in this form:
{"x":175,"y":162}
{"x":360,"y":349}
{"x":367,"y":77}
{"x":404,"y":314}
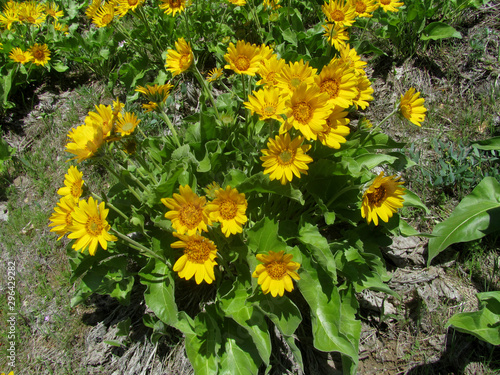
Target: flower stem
{"x":140,"y":247}
{"x":112,"y":206}
{"x":165,"y":118}
{"x":208,"y":92}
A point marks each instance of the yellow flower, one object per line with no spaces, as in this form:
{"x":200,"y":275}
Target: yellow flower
{"x":52,"y":9}
{"x":266,"y":52}
{"x":123,"y":6}
{"x":73,"y":184}
{"x":104,"y":15}
{"x":61,"y":27}
{"x":228,"y":208}
{"x":337,"y":35}
{"x":382,"y":198}
{"x":285,"y":157}
{"x":127,"y":124}
{"x":267,"y":103}
{"x":238,"y":2}
{"x":20,"y":56}
{"x":211,"y":190}
{"x":336,"y":129}
{"x":10,"y":14}
{"x":180,"y":59}
{"x":351,"y":57}
{"x":156,"y":94}
{"x":269,"y":70}
{"x":365,"y":91}
{"x":174,"y":6}
{"x":339,"y":12}
{"x":61,"y":219}
{"x":307,"y":111}
{"x":85,"y":142}
{"x":276,"y":273}
{"x":338,"y":80}
{"x":364,"y":8}
{"x":104,"y":119}
{"x":293,"y":74}
{"x":244,"y":58}
{"x":32,"y":12}
{"x":271,"y":4}
{"x":214,"y":74}
{"x":90,"y":226}
{"x":412,"y":107}
{"x":198,"y":259}
{"x":91,"y":10}
{"x":41,"y":54}
{"x":390,"y":5}
{"x":187,"y":211}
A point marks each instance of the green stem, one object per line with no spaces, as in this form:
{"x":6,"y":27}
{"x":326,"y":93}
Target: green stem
{"x":208,"y":92}
{"x":113,"y":207}
{"x":140,"y":247}
{"x":341,"y":192}
{"x":155,"y":43}
{"x":122,"y":180}
{"x":165,"y":118}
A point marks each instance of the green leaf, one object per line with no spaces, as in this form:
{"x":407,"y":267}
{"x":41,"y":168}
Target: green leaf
{"x":488,"y":144}
{"x":475,"y":216}
{"x":263,"y":237}
{"x":123,"y":327}
{"x":113,"y":343}
{"x":413,"y":200}
{"x":323,"y":297}
{"x":260,"y":183}
{"x":370,"y":161}
{"x":318,"y":245}
{"x":484,"y":323}
{"x":290,"y":36}
{"x":439,"y":30}
{"x":159,"y":295}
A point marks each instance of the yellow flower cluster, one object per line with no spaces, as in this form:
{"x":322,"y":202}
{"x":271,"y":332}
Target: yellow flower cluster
{"x":38,"y":54}
{"x":28,"y":12}
{"x":105,"y":125}
{"x":190,"y":215}
{"x":102,"y":13}
{"x":84,"y":220}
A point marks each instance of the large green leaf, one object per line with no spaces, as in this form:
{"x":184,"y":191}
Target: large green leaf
{"x":318,"y":245}
{"x":370,"y":161}
{"x":439,"y":30}
{"x":488,"y":144}
{"x":263,"y":237}
{"x":485,"y":323}
{"x":327,"y":318}
{"x":475,"y":216}
{"x":260,"y":183}
{"x":159,"y":295}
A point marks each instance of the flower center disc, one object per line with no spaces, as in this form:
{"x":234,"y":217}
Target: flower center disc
{"x":242,"y":63}
{"x":228,"y":209}
{"x":377,"y":197}
{"x":276,"y":270}
{"x":107,"y":18}
{"x":127,"y":126}
{"x":185,"y":61}
{"x":76,"y":190}
{"x":385,"y":2}
{"x":190,"y":216}
{"x":271,"y":77}
{"x":406,"y":110}
{"x":38,"y":54}
{"x":270,"y":109}
{"x":337,"y":15}
{"x":360,"y":7}
{"x":331,"y":87}
{"x":302,"y":112}
{"x":295,"y":81}
{"x":20,"y":58}
{"x":286,"y":157}
{"x":197,"y":251}
{"x":68,"y":219}
{"x":94,"y":226}
{"x":132,"y":2}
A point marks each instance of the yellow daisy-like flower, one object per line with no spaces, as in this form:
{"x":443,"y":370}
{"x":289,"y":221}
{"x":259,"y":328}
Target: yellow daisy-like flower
{"x":180,"y":59}
{"x":73,"y":184}
{"x":20,"y":56}
{"x":349,"y":56}
{"x":266,"y":52}
{"x":285,"y":158}
{"x":40,"y":53}
{"x":104,"y":15}
{"x":198,"y":259}
{"x":382,"y":198}
{"x":276,"y":272}
{"x":339,"y":82}
{"x":156,"y":94}
{"x":127,"y":124}
{"x":214,"y":74}
{"x":339,"y":12}
{"x":90,"y":226}
{"x":211,"y":190}
{"x":10,"y":14}
{"x":271,"y":4}
{"x":365,"y":90}
{"x":364,"y":8}
{"x":412,"y":107}
{"x":32,"y":12}
{"x":174,"y":6}
{"x":267,"y":103}
{"x":104,"y":119}
{"x":336,"y":129}
{"x":187,"y":211}
{"x":244,"y":58}
{"x":124,"y":6}
{"x":238,"y":2}
{"x":390,"y":5}
{"x":269,"y":70}
{"x":61,"y":27}
{"x":52,"y":9}
{"x":229,"y":208}
{"x":307,"y":111}
{"x":91,"y":10}
{"x":85,"y":142}
{"x":62,"y":219}
{"x":294,"y":74}
{"x":337,"y":35}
